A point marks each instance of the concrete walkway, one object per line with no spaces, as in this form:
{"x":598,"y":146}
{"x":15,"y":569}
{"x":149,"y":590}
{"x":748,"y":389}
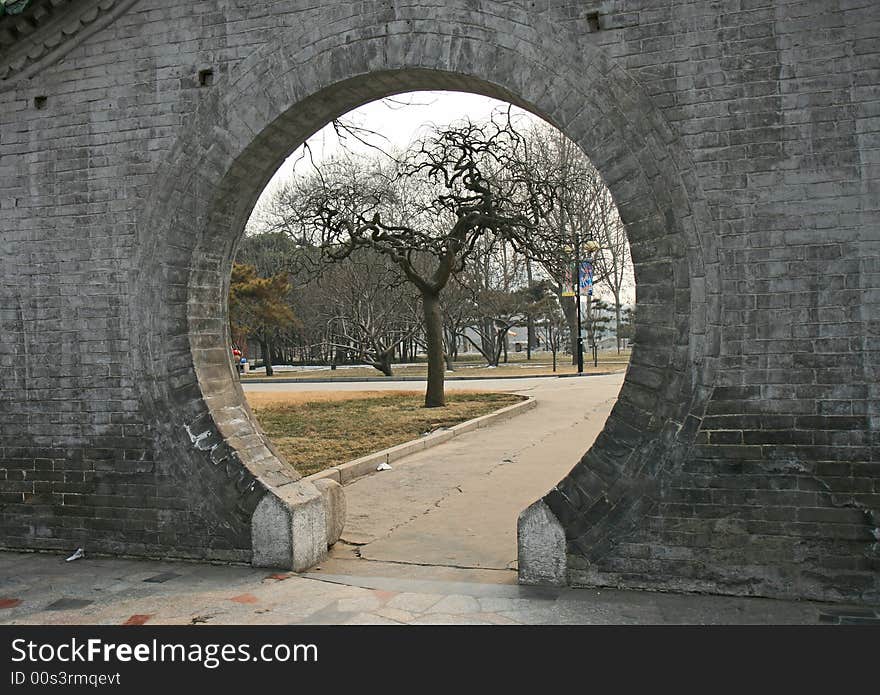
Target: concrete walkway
{"x":456,"y":504}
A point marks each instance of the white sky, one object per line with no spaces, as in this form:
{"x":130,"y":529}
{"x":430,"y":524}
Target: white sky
{"x":396,"y":122}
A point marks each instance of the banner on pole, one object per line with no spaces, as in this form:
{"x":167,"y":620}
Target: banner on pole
{"x":586,"y":277}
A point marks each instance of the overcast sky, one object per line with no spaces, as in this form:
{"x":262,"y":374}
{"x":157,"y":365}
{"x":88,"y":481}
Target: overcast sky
{"x":396,"y":121}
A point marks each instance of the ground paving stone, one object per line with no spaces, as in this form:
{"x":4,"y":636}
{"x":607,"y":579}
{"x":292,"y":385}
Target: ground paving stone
{"x":300,"y":600}
{"x":413,"y":602}
{"x":455,"y":605}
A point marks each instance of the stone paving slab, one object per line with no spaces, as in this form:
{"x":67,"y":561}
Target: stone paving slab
{"x":103,"y":591}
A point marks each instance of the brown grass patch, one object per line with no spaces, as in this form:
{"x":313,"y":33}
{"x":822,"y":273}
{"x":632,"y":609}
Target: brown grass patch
{"x":265,"y":399}
{"x":317,"y":430}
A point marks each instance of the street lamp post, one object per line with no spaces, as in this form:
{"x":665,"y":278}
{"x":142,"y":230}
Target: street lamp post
{"x":591,"y":247}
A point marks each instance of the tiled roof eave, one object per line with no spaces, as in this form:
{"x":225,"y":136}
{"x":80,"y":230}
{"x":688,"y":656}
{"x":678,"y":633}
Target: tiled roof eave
{"x":45,"y":30}
{"x":13,"y":6}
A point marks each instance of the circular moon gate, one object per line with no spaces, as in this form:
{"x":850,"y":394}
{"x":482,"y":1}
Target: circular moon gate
{"x":741,"y":456}
{"x":270,"y":105}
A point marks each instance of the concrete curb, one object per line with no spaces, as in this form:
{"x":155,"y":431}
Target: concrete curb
{"x":387,"y":379}
{"x":577,"y":376}
{"x":366,"y":465}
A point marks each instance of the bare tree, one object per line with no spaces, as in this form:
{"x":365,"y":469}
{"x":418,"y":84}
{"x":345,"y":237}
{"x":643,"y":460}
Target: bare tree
{"x":457,"y":309}
{"x":613,"y":261}
{"x":549,"y":319}
{"x":498,"y":300}
{"x":426,"y":211}
{"x":582,"y":209}
{"x":366,"y":303}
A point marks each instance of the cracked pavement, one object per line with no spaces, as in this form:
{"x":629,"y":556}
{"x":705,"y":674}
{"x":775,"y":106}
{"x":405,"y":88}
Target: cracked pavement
{"x":456,"y":504}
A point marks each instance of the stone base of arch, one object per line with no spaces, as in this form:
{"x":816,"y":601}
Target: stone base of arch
{"x":540,"y":544}
{"x":288,"y":528}
{"x":293,"y":525}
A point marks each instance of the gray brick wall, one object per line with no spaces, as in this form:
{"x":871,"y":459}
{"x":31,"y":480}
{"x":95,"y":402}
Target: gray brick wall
{"x":740,"y":140}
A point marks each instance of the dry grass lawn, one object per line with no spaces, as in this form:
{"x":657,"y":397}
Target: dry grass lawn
{"x":314,"y":430}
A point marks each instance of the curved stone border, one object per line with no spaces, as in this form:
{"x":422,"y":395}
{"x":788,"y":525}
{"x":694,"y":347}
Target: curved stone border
{"x":255,"y":114}
{"x":345,"y":473}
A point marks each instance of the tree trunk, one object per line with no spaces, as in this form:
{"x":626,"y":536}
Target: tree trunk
{"x":569,"y":308}
{"x":617,"y":318}
{"x":449,"y":352}
{"x":496,"y":360}
{"x":530,"y":332}
{"x":493,"y":354}
{"x":590,"y":322}
{"x":530,"y":324}
{"x":434,"y":395}
{"x":266,"y":349}
{"x":383,"y":363}
{"x":486,"y":338}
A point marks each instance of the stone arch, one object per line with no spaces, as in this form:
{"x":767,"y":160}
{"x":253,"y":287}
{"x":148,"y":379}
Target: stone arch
{"x":255,"y":115}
